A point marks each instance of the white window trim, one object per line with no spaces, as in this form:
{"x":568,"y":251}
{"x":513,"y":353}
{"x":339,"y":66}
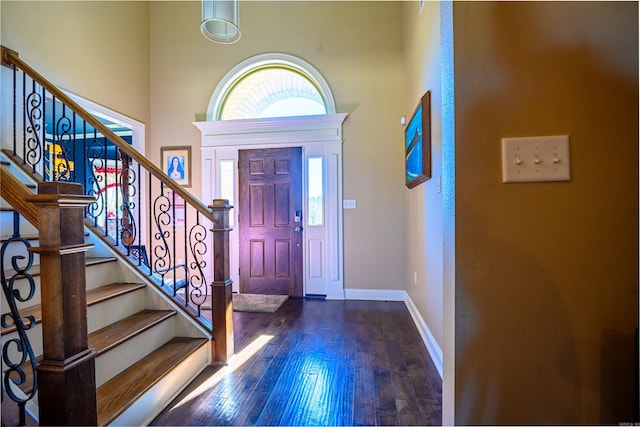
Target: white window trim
{"x":219,"y":95}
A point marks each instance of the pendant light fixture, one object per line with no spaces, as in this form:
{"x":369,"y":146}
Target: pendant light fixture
{"x":221,"y":20}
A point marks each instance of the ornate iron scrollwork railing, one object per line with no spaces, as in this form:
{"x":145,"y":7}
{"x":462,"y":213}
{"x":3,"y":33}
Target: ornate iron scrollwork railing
{"x":158,"y":226}
{"x":138,"y":209}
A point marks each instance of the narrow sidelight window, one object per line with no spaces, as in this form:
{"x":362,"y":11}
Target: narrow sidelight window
{"x":315,"y":191}
{"x":226,"y":184}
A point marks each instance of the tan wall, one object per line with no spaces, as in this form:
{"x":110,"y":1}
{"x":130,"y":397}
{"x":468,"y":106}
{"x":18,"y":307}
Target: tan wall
{"x":546,"y":273}
{"x":98,"y":50}
{"x":423,"y":204}
{"x":154,"y":65}
{"x":357,"y":48}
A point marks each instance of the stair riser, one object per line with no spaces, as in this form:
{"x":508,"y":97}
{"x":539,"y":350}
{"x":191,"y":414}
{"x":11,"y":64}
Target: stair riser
{"x":113,"y":362}
{"x":144,"y":410}
{"x":97,"y":275}
{"x":112,"y":272}
{"x":102,"y":274}
{"x":110,"y":311}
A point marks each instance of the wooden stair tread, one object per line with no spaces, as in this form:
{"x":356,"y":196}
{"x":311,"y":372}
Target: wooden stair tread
{"x":112,"y":335}
{"x":99,"y":260}
{"x":103,"y":293}
{"x":94,"y":296}
{"x":117,"y":394}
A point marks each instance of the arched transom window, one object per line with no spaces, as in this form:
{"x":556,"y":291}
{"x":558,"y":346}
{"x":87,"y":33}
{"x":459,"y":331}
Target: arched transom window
{"x":271,"y":85}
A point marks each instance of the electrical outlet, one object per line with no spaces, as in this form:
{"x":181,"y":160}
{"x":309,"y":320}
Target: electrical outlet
{"x":536,"y":159}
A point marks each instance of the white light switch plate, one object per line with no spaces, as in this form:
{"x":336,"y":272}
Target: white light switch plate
{"x":536,"y":159}
{"x":349,"y":204}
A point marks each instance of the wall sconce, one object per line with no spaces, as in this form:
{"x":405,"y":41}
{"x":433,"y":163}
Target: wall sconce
{"x":221,"y":20}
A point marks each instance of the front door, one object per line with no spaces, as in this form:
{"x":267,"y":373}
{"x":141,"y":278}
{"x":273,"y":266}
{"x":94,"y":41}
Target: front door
{"x":270,"y":223}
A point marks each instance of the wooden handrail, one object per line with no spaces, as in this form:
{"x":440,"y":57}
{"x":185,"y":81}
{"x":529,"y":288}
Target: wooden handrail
{"x":15,"y":193}
{"x":11,"y":57}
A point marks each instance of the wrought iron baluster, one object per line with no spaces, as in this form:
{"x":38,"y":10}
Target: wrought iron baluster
{"x":117,"y":190}
{"x":62,"y":139}
{"x":15,"y":112}
{"x":173,"y":240}
{"x":74,"y":157}
{"x":186,"y":255}
{"x":85,"y":160}
{"x":106,"y":185}
{"x":140,"y":188}
{"x":129,"y":190}
{"x":149,"y":196}
{"x":17,"y":351}
{"x":43,"y":138}
{"x":51,"y":144}
{"x":162,"y":219}
{"x":197,"y":241}
{"x":24,"y":118}
{"x":97,"y":207}
{"x":33,"y":113}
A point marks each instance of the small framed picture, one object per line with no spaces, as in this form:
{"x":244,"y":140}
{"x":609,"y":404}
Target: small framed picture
{"x":176,"y":162}
{"x":417,"y":140}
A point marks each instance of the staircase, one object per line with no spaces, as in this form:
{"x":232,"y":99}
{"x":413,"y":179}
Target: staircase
{"x":155,"y":259}
{"x":146,"y":352}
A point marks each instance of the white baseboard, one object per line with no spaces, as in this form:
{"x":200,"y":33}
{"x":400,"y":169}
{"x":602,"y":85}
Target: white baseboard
{"x":375,"y":294}
{"x":427,"y":337}
{"x":337,"y":294}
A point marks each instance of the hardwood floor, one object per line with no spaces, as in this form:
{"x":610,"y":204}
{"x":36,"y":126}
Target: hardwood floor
{"x":316,"y":362}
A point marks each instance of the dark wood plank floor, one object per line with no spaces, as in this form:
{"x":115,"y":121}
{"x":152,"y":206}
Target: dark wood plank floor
{"x":318,"y":363}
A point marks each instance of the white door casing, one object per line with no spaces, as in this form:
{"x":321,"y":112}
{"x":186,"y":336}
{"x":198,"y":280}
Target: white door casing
{"x":320,"y":137}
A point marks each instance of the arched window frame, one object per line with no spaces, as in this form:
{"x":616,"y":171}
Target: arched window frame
{"x":262,"y":61}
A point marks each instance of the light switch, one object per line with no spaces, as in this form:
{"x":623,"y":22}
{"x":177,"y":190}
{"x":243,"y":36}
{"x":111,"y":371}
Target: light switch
{"x":349,"y":204}
{"x":536,"y":159}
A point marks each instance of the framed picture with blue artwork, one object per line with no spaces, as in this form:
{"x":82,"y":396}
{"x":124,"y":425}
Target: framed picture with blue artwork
{"x":417,"y":139}
{"x":176,"y":162}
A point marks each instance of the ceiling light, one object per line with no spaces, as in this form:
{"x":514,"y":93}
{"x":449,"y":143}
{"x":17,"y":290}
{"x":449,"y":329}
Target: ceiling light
{"x":221,"y":20}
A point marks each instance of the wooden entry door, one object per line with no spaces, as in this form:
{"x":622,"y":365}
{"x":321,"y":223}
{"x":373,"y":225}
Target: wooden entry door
{"x":270,"y":224}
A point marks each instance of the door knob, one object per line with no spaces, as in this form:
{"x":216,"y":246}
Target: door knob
{"x":299,"y":229}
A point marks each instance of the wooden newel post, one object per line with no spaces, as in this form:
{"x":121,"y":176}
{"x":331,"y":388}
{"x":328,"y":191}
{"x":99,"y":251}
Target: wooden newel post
{"x":66,"y":374}
{"x":221,"y":299}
